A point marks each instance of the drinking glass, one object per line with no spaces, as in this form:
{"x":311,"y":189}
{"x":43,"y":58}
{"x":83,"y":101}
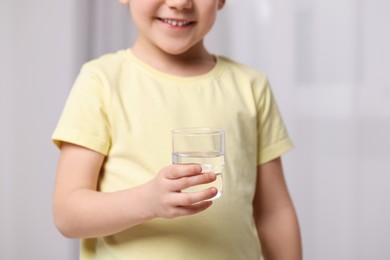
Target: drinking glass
{"x":203,"y":146}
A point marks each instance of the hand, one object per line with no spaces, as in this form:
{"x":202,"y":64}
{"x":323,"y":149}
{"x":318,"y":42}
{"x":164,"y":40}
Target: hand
{"x":166,"y":198}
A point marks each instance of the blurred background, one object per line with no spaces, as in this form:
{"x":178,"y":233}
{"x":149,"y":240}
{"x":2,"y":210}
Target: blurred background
{"x":328,"y":62}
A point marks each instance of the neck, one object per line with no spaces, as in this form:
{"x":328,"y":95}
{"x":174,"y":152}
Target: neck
{"x":194,"y":62}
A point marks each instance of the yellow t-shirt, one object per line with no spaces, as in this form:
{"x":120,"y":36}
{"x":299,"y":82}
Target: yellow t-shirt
{"x":125,"y":109}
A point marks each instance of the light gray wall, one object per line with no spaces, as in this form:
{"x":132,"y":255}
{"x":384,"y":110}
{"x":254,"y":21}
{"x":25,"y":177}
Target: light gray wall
{"x":328,"y":62}
{"x":36,"y":70}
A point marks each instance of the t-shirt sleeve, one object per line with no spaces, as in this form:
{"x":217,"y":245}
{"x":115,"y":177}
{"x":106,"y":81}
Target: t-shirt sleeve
{"x":84,"y":119}
{"x":273,"y":138}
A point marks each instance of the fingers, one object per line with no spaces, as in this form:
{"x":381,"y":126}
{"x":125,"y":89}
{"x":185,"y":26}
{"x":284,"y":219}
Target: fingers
{"x":186,"y":182}
{"x":183,"y":199}
{"x":180,"y":177}
{"x":191,"y":198}
{"x":191,"y":203}
{"x":181,"y":211}
{"x":181,"y":170}
{"x":194,"y":209}
{"x":167,"y":198}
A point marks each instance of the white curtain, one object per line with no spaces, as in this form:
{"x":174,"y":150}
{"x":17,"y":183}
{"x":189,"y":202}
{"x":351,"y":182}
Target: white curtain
{"x":328,"y":62}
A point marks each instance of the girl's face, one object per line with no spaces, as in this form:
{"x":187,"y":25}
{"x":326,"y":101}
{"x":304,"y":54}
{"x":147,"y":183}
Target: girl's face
{"x":173,"y":26}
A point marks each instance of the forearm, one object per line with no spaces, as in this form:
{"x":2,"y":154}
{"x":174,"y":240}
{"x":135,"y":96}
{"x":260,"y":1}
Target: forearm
{"x":279,"y":235}
{"x":88,"y":213}
{"x":84,"y":212}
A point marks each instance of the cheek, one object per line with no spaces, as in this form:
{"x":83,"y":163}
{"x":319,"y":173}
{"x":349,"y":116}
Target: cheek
{"x":210,"y":20}
{"x":210,"y":13}
{"x":140,"y":11}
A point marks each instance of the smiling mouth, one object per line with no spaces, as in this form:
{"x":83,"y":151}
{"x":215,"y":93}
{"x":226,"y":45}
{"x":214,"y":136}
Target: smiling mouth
{"x":176,"y":23}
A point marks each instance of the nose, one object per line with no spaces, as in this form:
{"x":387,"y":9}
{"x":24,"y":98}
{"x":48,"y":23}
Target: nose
{"x":179,"y":4}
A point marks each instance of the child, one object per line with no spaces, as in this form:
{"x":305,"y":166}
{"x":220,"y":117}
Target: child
{"x":116,"y":188}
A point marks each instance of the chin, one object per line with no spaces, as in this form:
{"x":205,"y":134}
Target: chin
{"x":179,"y":50}
{"x":175,"y":52}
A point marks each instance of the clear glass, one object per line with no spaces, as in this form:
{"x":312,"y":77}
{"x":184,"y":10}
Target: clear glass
{"x":203,"y":146}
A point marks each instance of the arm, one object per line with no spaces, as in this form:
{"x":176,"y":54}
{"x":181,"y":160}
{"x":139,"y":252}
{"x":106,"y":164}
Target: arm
{"x":82,"y":211}
{"x":274,"y":213}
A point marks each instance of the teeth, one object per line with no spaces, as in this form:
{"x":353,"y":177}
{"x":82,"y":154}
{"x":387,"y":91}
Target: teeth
{"x":175,"y":23}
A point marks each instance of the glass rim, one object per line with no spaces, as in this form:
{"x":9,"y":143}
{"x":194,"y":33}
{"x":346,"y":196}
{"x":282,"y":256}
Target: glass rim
{"x":198,"y":131}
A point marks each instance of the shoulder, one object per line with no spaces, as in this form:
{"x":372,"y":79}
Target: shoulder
{"x":238,"y":67}
{"x":100,"y":75}
{"x":107,"y":64}
{"x":243,"y":74}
